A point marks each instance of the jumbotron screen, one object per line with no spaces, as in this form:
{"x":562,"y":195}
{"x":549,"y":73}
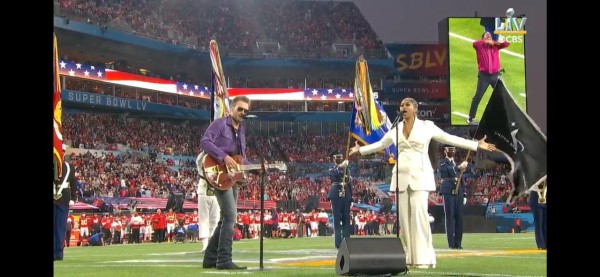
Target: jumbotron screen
{"x":477,"y":59}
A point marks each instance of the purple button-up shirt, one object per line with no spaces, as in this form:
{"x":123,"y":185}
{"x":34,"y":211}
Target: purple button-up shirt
{"x":220,"y":140}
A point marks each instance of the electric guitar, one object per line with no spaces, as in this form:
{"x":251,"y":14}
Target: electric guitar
{"x":221,"y":177}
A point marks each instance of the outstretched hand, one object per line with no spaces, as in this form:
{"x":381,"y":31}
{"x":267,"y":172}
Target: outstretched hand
{"x":485,"y":146}
{"x":355,"y":149}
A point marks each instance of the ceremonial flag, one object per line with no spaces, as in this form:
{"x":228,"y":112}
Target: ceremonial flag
{"x":517,"y":137}
{"x":57,"y":144}
{"x":219,"y":95}
{"x":369,"y":121}
{"x":364,"y":98}
{"x":359,"y":132}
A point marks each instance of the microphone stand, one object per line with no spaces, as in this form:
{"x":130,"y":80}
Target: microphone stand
{"x":395,"y":124}
{"x":262,"y":215}
{"x":262,"y":180}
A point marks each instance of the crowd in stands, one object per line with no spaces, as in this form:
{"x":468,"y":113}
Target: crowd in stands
{"x":148,"y":167}
{"x":96,"y":131}
{"x":302,"y":26}
{"x":299,"y":28}
{"x":352,"y":26}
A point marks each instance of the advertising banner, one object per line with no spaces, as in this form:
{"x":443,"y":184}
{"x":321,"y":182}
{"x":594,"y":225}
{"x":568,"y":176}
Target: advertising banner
{"x":420,"y":60}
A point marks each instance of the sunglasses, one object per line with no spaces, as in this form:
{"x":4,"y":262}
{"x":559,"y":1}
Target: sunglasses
{"x":240,"y":109}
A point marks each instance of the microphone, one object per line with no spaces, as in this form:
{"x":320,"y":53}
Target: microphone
{"x":398,"y":118}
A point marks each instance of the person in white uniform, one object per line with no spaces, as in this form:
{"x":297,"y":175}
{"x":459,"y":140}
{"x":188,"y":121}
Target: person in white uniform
{"x":208,"y":210}
{"x":415,"y":177}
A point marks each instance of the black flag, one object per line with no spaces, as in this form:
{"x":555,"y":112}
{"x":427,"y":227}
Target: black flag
{"x":517,"y":137}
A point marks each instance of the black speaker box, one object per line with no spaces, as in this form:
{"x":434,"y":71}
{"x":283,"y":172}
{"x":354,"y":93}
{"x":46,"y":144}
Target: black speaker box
{"x":175,"y":202}
{"x":370,"y":256}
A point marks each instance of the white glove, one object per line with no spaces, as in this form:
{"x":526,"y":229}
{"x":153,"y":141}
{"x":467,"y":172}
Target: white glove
{"x":463,"y":165}
{"x":344,"y":164}
{"x":71,"y":203}
{"x":465,"y":201}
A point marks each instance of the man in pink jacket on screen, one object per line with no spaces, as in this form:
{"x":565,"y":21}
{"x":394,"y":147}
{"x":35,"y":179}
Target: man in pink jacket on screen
{"x":488,"y":64}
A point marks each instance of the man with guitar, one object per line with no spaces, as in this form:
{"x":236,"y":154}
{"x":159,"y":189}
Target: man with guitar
{"x":225,"y":138}
{"x":453,"y":193}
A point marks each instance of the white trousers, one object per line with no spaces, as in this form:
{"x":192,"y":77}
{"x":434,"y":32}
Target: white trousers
{"x":209,"y":213}
{"x":415,"y":228}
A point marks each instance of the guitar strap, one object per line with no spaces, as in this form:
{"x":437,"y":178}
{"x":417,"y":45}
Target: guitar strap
{"x":210,"y":191}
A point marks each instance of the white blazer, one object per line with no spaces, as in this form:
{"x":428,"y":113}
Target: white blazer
{"x":413,"y":167}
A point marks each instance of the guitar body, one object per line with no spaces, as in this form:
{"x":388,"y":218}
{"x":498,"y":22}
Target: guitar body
{"x":218,"y":175}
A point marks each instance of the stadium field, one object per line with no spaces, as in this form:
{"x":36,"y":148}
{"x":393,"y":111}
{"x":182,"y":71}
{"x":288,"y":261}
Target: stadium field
{"x":493,"y":254}
{"x":463,"y":69}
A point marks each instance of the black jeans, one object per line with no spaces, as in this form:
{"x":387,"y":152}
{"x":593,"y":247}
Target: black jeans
{"x":484,"y":80}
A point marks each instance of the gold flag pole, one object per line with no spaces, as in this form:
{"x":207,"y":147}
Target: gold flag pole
{"x":343,"y":192}
{"x":462,"y":171}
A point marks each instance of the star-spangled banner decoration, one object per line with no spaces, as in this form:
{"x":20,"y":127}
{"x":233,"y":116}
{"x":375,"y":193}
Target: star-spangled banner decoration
{"x":73,"y":69}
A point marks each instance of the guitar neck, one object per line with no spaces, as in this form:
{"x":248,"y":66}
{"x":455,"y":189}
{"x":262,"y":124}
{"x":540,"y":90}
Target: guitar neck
{"x":246,"y":167}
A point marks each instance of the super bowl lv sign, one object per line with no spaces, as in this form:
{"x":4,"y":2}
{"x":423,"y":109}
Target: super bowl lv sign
{"x":420,"y":60}
{"x":510,"y":28}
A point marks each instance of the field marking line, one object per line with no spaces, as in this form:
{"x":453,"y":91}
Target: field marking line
{"x":467,"y":253}
{"x":461,"y":114}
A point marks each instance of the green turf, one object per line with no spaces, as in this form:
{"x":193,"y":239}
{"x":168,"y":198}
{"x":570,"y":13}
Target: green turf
{"x":463,"y":70}
{"x":483,"y":255}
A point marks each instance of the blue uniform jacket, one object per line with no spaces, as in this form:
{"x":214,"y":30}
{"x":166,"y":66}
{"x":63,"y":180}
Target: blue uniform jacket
{"x":336,"y":174}
{"x":449,"y":175}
